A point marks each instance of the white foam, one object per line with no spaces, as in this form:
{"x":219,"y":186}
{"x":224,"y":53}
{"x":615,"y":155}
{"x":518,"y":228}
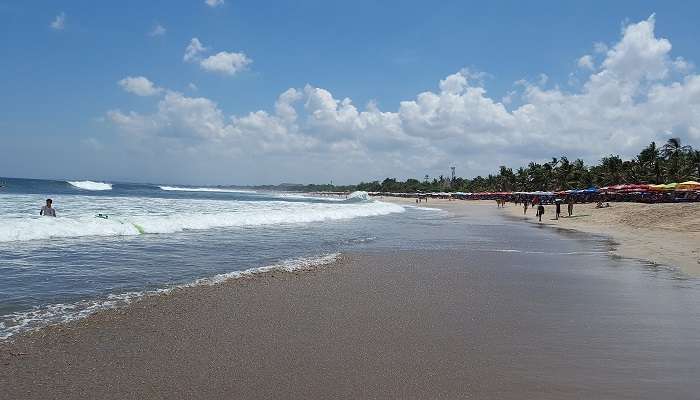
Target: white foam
{"x":354,"y":196}
{"x":426,"y":208}
{"x":90,"y":185}
{"x":204,"y":189}
{"x":303,"y":196}
{"x":38,"y":317}
{"x":134,"y":216}
{"x":359,"y":195}
{"x":568,"y":253}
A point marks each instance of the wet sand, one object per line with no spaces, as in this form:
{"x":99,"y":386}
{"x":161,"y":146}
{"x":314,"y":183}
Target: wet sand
{"x":390,"y":324}
{"x":664,"y":234}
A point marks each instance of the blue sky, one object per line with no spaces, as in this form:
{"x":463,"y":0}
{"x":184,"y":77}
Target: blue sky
{"x":62,"y":109}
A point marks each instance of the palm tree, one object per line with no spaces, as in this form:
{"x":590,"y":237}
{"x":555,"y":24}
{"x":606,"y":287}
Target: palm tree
{"x":650,"y":162}
{"x":673,"y":152}
{"x":695,"y":159}
{"x":674,"y":148}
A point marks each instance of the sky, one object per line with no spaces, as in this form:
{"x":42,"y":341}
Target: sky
{"x":252,"y":92}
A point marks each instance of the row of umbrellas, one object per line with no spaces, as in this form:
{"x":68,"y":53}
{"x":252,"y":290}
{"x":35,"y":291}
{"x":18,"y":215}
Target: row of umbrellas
{"x":683,"y":186}
{"x":626,"y":188}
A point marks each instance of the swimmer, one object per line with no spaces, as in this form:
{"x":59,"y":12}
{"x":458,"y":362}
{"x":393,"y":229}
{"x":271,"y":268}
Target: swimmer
{"x":47,"y":210}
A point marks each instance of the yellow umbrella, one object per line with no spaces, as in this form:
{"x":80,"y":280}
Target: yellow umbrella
{"x":668,"y":186}
{"x":689,"y":185}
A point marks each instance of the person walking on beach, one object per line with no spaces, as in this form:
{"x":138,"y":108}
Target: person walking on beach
{"x":525,"y":207}
{"x":540,"y":212}
{"x":47,"y":210}
{"x":570,"y":206}
{"x":557,"y":204}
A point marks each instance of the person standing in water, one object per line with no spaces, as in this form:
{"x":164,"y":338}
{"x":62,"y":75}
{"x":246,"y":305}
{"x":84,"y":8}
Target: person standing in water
{"x":47,"y":210}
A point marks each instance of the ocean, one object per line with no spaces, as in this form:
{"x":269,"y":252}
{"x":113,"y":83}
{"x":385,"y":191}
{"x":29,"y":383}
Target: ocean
{"x":155,"y":237}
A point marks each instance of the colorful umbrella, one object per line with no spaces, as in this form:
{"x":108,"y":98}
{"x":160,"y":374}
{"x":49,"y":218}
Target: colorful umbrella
{"x":689,"y":185}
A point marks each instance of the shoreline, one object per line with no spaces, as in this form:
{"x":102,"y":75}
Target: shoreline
{"x":661,"y":234}
{"x":422,"y":323}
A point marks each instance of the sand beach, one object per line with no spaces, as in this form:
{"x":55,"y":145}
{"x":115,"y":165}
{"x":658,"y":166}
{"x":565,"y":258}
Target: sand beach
{"x":486,"y":322}
{"x":666,"y":233}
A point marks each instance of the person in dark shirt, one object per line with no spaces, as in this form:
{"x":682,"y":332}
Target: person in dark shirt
{"x":47,"y":210}
{"x":540,"y":212}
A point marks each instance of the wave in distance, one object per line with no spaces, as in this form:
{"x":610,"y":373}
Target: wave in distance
{"x":204,"y":189}
{"x":90,"y":185}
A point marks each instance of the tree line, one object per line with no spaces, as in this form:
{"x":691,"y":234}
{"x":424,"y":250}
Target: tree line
{"x":671,"y":162}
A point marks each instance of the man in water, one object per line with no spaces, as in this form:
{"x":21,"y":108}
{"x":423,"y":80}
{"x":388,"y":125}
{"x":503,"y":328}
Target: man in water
{"x":47,"y":210}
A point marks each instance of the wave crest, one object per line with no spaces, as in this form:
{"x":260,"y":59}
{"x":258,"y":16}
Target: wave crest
{"x":204,"y":189}
{"x":90,"y":185}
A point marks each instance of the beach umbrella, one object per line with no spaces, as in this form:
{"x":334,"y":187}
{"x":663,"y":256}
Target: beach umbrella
{"x":689,"y":185}
{"x":668,"y":186}
{"x":635,"y":188}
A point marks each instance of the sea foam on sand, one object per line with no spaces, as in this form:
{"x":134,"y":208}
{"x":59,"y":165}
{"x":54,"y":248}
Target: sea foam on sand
{"x":38,"y":317}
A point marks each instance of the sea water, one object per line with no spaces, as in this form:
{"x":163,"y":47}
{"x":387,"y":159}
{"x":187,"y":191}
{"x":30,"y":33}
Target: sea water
{"x":112,"y":242}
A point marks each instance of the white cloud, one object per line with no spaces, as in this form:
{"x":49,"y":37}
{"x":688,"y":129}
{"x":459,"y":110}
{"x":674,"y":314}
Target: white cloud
{"x":226,"y":63}
{"x":139,"y":86}
{"x":681,"y":65}
{"x":508,"y":98}
{"x":630,"y":100}
{"x":586,"y":62}
{"x":158,"y":30}
{"x":639,"y":55}
{"x":214,"y":3}
{"x":600,"y":47}
{"x":192,"y":87}
{"x":193,"y":49}
{"x":59,"y":23}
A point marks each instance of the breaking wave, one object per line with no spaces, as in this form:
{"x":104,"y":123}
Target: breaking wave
{"x":203,"y":189}
{"x":352,"y":197}
{"x":146,"y":216}
{"x":41,"y":316}
{"x":90,"y":185}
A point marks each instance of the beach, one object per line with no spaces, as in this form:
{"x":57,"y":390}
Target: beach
{"x":515,"y":312}
{"x":666,"y":234}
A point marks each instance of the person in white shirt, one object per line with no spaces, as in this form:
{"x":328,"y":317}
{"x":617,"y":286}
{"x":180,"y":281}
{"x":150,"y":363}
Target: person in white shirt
{"x":47,"y":210}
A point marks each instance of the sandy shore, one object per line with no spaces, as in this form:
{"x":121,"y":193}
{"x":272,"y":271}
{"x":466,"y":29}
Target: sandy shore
{"x":665,"y":234}
{"x":404,"y":325}
{"x":391,"y":324}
